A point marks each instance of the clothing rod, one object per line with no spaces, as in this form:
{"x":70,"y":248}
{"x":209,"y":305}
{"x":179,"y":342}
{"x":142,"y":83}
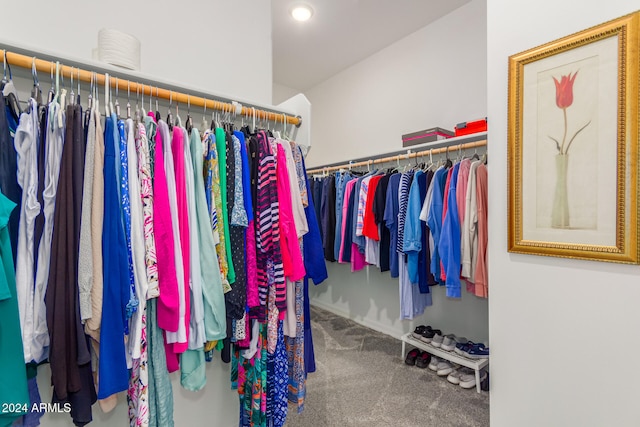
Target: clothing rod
{"x":412,"y":155}
{"x":44,"y":66}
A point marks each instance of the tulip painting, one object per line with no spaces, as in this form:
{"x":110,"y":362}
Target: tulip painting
{"x":560,"y":217}
{"x":564,"y":100}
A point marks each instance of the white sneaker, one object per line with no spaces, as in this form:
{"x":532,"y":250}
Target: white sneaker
{"x":437,"y":340}
{"x":444,"y":368}
{"x":469,"y":380}
{"x":454,"y":377}
{"x":433,"y":364}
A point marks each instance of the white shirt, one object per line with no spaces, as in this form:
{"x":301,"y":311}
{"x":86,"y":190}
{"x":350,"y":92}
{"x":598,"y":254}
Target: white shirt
{"x":300,"y":218}
{"x":26,"y":145}
{"x":55,"y":143}
{"x":469,"y":250}
{"x":197,"y":336}
{"x":137,"y":243}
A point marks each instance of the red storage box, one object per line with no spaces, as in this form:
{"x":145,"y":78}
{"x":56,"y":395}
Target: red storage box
{"x":475,"y":126}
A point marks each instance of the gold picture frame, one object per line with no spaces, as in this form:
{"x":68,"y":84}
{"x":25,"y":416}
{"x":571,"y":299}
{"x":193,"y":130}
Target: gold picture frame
{"x":573,"y":145}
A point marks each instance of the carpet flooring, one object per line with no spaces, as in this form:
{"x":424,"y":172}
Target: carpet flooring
{"x":361,"y":381}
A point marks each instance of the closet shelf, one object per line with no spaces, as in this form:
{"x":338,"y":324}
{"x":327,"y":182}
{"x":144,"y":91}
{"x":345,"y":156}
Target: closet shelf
{"x":450,"y":144}
{"x":476,"y":364}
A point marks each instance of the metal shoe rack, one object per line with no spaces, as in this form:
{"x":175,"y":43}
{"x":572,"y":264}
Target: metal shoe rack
{"x":476,"y":364}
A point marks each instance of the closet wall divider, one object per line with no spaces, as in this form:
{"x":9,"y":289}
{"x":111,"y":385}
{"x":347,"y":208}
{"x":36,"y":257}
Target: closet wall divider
{"x":147,"y":88}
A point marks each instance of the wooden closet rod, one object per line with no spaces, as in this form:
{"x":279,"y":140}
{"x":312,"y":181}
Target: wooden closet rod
{"x":407,"y":156}
{"x":44,"y":66}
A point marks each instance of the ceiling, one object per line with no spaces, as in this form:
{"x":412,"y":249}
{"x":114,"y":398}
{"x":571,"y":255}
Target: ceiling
{"x":342,"y":33}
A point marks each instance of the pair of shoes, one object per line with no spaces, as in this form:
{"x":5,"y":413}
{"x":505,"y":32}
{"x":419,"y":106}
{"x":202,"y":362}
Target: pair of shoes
{"x":454,"y":377}
{"x":449,"y":342}
{"x":433,"y":365}
{"x":469,"y":380}
{"x":466,"y":377}
{"x":419,"y":330}
{"x":411,"y":357}
{"x":437,"y":339}
{"x":462,"y":347}
{"x":445,"y":367}
{"x":423,"y":360}
{"x":441,"y":366}
{"x":429,"y":334}
{"x":477,"y":351}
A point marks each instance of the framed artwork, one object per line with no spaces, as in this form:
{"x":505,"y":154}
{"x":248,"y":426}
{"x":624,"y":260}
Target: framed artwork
{"x":573,"y":145}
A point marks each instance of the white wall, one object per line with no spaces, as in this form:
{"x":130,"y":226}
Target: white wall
{"x":191,"y":42}
{"x":563,"y":332}
{"x":282,"y":92}
{"x":434,"y":77}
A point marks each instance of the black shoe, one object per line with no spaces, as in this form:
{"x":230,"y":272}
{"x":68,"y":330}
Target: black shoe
{"x":419,"y":330}
{"x":423,"y":360}
{"x":411,"y":357}
{"x":428,"y":335}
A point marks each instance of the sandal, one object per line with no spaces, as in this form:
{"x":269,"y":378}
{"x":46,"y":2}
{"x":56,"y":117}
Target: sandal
{"x":412,"y":356}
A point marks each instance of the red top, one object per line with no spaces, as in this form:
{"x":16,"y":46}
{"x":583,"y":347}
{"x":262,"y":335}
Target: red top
{"x":369,"y":227}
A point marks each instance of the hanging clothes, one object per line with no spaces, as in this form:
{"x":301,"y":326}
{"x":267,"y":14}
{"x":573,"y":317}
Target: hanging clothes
{"x":26,"y":146}
{"x":378,"y":212}
{"x":163,"y":223}
{"x":9,"y":172}
{"x":112,"y":374}
{"x":391,"y":222}
{"x":13,"y":388}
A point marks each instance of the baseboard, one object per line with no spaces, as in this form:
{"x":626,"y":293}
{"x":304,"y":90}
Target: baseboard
{"x":371,"y":324}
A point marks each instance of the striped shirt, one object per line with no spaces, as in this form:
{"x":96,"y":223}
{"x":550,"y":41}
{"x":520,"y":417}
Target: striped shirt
{"x":362,"y":203}
{"x":268,"y":256}
{"x":403,"y":199}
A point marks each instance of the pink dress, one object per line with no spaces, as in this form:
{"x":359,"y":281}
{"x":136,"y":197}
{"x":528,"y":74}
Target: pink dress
{"x":177,"y":150}
{"x":482,"y":276}
{"x":168,"y":302}
{"x":345,"y":207}
{"x":288,"y":235}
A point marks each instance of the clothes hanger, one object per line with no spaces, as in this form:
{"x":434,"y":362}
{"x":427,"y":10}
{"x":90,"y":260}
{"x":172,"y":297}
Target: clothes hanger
{"x":7,"y":85}
{"x":52,"y":93}
{"x":62,"y":94}
{"x":475,"y":154}
{"x":203,"y":125}
{"x":178,"y":121}
{"x":36,"y":93}
{"x":117,"y":104}
{"x":96,"y":95}
{"x":106,"y":95}
{"x":169,"y":115}
{"x":448,"y":162}
{"x":143,"y":113}
{"x":88,"y":111}
{"x":128,"y":99}
{"x":158,"y":116}
{"x":72,"y":95}
{"x":78,"y":83}
{"x":9,"y":90}
{"x":137,"y":111}
{"x":253,"y":115}
{"x":90,"y":95}
{"x":189,"y":122}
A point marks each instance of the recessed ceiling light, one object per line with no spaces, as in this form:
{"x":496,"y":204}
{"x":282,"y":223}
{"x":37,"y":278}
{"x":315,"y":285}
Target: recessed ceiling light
{"x":302,"y":12}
